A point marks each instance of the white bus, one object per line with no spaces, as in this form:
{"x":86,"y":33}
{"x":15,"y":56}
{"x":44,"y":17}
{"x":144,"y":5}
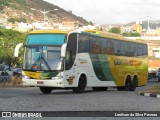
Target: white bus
{"x":75,"y":60}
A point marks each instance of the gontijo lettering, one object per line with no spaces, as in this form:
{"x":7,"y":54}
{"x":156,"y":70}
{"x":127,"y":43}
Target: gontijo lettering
{"x":127,"y":62}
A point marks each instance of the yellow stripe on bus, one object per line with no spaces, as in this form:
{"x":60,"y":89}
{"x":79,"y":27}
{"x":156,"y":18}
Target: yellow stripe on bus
{"x":33,"y":74}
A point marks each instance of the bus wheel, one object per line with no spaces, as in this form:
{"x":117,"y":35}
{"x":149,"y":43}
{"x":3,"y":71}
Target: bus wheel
{"x":99,"y":88}
{"x":81,"y":85}
{"x":46,"y":90}
{"x":134,"y":84}
{"x":127,"y":84}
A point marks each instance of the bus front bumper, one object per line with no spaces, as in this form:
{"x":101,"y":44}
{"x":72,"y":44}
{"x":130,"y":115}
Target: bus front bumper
{"x":43,"y":83}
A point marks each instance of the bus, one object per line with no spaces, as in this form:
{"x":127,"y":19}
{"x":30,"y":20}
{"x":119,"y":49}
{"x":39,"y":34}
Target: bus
{"x":59,"y":59}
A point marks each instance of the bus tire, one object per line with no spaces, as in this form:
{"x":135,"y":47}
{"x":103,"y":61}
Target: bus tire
{"x":120,"y":88}
{"x":46,"y":90}
{"x":81,"y":85}
{"x":127,"y":84}
{"x":134,"y":84}
{"x":99,"y":88}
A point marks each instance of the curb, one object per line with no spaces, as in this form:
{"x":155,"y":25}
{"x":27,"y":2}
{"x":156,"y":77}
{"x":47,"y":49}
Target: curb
{"x":149,"y":94}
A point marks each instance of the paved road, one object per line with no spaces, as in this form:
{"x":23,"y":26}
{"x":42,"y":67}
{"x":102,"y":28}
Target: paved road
{"x":61,"y":100}
{"x":31,"y":99}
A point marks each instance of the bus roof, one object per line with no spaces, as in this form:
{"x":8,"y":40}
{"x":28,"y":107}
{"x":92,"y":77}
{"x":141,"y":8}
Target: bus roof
{"x":50,"y":31}
{"x":113,"y":36}
{"x":89,"y":32}
{"x":119,"y":37}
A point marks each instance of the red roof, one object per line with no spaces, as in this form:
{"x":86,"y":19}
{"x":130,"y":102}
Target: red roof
{"x":154,"y":63}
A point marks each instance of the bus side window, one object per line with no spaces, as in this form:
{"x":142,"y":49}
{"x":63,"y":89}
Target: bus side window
{"x":83,"y":43}
{"x":95,"y":45}
{"x":123,"y":48}
{"x":117,"y":48}
{"x":130,"y":54}
{"x":133,"y":49}
{"x":139,"y":50}
{"x":71,"y":51}
{"x":105,"y":46}
{"x":127,"y":49}
{"x":145,"y":50}
{"x":68,"y":60}
{"x":109,"y":49}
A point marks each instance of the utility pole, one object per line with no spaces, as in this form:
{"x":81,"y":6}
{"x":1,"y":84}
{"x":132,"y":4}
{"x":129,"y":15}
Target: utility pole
{"x":45,"y":12}
{"x":148,"y":27}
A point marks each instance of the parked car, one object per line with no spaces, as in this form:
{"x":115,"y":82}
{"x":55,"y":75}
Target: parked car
{"x":5,"y":70}
{"x":152,"y":75}
{"x":17,"y":72}
{"x":158,"y":75}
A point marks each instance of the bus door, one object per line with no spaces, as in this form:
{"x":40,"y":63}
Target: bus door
{"x":70,"y":64}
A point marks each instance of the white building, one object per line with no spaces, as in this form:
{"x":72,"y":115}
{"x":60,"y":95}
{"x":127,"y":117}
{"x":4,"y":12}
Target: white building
{"x":35,"y":26}
{"x":156,"y":52}
{"x":128,"y":29}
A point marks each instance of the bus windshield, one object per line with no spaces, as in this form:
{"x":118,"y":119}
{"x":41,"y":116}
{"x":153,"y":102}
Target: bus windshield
{"x":43,"y":52}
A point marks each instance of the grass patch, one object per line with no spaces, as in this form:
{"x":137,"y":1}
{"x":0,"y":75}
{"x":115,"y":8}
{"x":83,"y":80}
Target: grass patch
{"x":12,"y":82}
{"x":153,"y":89}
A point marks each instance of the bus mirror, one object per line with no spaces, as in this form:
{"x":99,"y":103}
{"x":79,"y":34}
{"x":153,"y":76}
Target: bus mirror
{"x":16,"y":50}
{"x":63,"y":50}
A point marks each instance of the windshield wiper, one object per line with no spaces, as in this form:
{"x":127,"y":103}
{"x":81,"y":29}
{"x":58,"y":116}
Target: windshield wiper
{"x":40,"y":58}
{"x":45,"y":63}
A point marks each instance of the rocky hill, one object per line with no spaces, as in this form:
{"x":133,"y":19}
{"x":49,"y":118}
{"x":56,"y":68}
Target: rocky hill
{"x":29,"y":11}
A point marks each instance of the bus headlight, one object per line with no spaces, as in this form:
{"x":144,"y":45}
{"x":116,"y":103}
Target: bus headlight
{"x":27,"y":77}
{"x":56,"y":78}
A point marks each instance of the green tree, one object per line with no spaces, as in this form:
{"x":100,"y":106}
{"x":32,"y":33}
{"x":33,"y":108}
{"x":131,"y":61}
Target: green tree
{"x":3,"y":3}
{"x":131,"y":34}
{"x":12,"y":20}
{"x":8,"y":40}
{"x":115,"y":30}
{"x":21,"y":20}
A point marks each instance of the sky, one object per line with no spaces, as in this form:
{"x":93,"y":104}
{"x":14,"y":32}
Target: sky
{"x":112,"y":11}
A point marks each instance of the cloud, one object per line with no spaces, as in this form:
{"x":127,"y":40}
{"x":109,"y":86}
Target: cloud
{"x":110,"y":11}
